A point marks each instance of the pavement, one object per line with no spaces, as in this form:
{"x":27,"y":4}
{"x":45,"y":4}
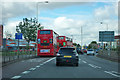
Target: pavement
{"x":45,"y":67}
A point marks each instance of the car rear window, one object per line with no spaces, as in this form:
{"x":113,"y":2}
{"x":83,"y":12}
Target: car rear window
{"x":67,"y":50}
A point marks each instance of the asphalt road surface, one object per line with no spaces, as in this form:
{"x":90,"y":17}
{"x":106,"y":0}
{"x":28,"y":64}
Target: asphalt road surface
{"x":89,"y":67}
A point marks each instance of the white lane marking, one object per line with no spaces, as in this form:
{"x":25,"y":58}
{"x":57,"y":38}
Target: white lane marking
{"x":32,"y":69}
{"x":115,"y":72}
{"x":15,"y":77}
{"x":111,"y":74}
{"x":79,"y":59}
{"x":84,"y":61}
{"x":25,"y":72}
{"x":41,"y":64}
{"x":47,"y":61}
{"x":94,"y":66}
{"x":37,"y":66}
{"x":98,"y":67}
{"x":91,"y":65}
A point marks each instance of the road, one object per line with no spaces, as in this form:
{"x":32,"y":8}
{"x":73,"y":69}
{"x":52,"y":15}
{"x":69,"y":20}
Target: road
{"x":89,"y":67}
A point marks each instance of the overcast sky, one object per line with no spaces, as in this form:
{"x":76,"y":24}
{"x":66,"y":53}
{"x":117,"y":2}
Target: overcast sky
{"x":65,"y":18}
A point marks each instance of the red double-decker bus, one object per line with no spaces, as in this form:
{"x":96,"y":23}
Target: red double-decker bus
{"x":63,"y":41}
{"x":47,"y":43}
{"x":69,"y":42}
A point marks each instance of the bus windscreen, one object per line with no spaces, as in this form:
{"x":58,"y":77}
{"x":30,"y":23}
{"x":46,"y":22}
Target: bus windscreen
{"x":44,"y":32}
{"x":61,"y":38}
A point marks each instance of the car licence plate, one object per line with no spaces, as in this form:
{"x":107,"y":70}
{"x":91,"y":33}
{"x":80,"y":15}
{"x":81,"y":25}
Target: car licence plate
{"x":67,"y":56}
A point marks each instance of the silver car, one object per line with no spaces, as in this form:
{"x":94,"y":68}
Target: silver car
{"x":90,"y":52}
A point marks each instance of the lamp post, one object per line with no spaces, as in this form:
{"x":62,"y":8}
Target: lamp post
{"x":81,"y":37}
{"x":37,"y":13}
{"x":106,"y":25}
{"x":37,"y":7}
{"x":109,"y":49}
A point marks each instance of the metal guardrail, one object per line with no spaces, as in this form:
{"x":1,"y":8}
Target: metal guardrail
{"x":8,"y":56}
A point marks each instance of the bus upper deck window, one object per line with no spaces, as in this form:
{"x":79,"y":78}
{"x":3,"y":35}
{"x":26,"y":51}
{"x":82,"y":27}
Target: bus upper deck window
{"x":45,"y":32}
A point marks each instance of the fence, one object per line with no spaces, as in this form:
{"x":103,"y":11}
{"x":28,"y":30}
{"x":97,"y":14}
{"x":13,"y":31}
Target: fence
{"x":8,"y":56}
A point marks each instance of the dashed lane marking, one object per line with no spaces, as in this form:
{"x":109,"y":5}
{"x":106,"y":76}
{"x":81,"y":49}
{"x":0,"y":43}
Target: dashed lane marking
{"x":91,"y":65}
{"x":94,"y":66}
{"x":111,"y":73}
{"x":25,"y":72}
{"x":32,"y":69}
{"x":115,"y":72}
{"x":15,"y":77}
{"x":41,"y":64}
{"x":37,"y":66}
{"x":84,"y":61}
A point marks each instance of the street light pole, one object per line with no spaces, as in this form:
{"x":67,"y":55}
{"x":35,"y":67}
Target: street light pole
{"x":72,"y":38}
{"x":37,"y":13}
{"x":81,"y":37}
{"x":37,"y":7}
{"x":106,"y":25}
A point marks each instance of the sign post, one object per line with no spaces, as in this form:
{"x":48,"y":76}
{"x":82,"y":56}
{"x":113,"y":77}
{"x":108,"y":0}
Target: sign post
{"x":18,"y":36}
{"x":106,"y":36}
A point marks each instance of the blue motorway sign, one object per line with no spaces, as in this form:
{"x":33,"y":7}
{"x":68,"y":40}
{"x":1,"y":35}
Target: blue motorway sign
{"x":18,"y":35}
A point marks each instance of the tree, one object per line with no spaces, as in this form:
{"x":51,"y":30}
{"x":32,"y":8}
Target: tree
{"x":89,"y":46}
{"x":29,"y":29}
{"x":78,"y":45}
{"x":93,"y":42}
{"x":93,"y":45}
{"x":75,"y":44}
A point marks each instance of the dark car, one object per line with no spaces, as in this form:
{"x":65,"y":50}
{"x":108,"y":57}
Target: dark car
{"x":67,"y":55}
{"x":84,"y":50}
{"x":79,"y":51}
{"x":97,"y":50}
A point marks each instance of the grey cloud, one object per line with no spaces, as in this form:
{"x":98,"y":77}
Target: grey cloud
{"x":15,"y":10}
{"x":29,"y":9}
